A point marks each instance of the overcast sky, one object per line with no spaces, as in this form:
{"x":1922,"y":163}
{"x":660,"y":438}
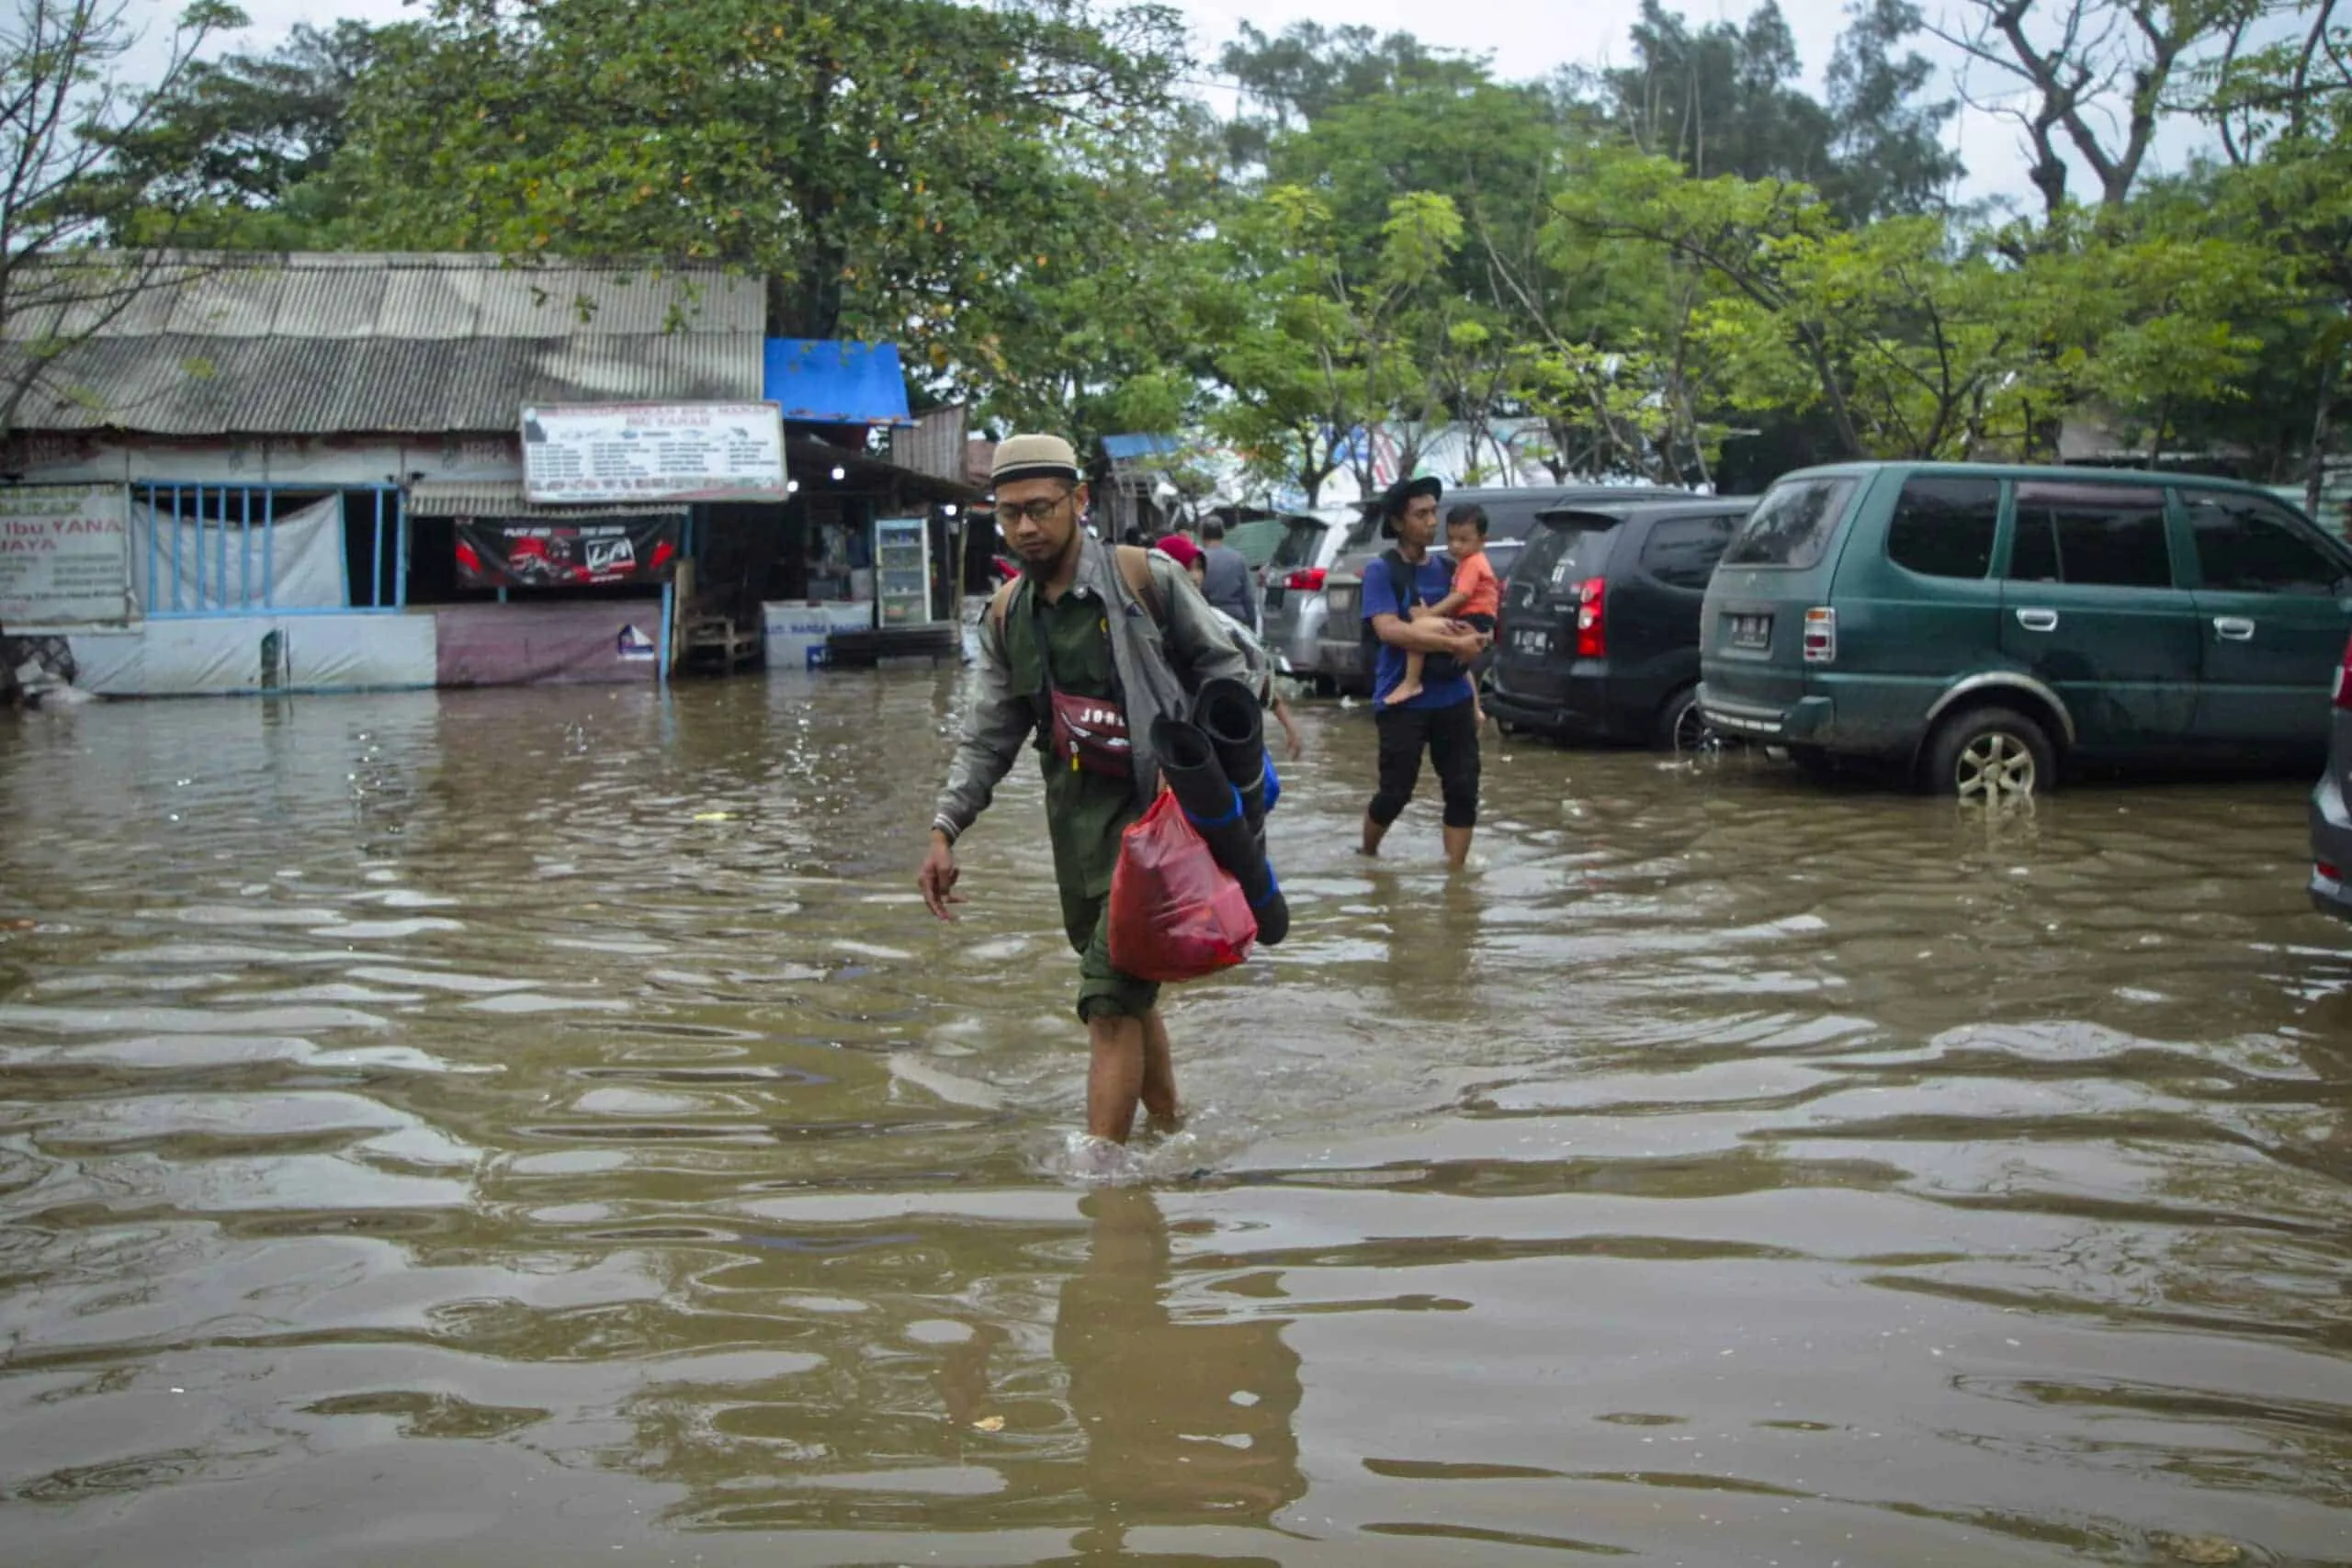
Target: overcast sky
{"x":1525,"y":39}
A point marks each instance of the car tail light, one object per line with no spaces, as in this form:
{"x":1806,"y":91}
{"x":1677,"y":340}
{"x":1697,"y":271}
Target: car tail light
{"x":1308,"y":580}
{"x":1820,"y":636}
{"x":2327,"y":873}
{"x":1592,"y":619}
{"x":2343,"y":680}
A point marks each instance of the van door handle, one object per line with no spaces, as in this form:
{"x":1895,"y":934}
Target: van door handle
{"x":2038,"y":620}
{"x":2234,"y":628}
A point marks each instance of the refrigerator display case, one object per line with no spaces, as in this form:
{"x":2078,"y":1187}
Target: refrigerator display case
{"x":902,"y":571}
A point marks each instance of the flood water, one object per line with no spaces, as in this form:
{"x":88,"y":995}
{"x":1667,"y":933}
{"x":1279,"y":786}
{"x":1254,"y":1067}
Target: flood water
{"x":543,"y":1127}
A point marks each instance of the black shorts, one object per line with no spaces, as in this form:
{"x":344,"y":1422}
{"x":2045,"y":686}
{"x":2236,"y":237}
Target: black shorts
{"x":1450,"y":734}
{"x":1484,"y":624}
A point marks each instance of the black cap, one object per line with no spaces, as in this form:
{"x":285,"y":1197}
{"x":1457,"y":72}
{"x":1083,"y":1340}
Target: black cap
{"x":1393,"y":501}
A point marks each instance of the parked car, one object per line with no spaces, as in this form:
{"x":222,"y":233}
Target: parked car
{"x":1511,"y":516}
{"x":1984,"y":626}
{"x":2332,"y":807}
{"x":1600,"y":620}
{"x":1295,"y":577}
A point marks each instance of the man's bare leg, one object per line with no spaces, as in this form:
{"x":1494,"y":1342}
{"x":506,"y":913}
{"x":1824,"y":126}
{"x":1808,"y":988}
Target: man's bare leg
{"x":1114,"y":1077}
{"x":1158,"y":1077}
{"x":1373,"y":833}
{"x":1457,"y":846}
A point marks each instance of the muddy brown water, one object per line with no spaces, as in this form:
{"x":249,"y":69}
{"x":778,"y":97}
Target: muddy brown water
{"x":542,"y":1128}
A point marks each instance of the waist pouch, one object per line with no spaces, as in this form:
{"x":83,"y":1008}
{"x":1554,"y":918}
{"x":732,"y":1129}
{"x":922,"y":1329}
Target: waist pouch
{"x":1091,"y":735}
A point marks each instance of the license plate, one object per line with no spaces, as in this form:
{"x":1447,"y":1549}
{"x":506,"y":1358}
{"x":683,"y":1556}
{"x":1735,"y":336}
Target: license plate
{"x":1274,"y":598}
{"x":1531,"y":640}
{"x":1751,"y":631}
{"x":1342,"y":601}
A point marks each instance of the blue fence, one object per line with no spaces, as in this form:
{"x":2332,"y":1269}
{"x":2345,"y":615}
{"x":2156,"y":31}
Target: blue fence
{"x":212,"y":575}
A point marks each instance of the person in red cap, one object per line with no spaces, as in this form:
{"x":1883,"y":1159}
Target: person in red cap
{"x":1182,"y":550}
{"x":1195,"y":562}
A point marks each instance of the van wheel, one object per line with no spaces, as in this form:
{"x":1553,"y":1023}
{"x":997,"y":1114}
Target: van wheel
{"x":1683,"y":728}
{"x":1990,"y":754}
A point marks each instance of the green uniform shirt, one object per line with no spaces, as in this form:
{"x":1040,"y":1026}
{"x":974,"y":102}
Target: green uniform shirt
{"x":1085,"y":812}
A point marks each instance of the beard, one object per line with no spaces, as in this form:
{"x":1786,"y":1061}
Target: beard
{"x":1043,"y":569}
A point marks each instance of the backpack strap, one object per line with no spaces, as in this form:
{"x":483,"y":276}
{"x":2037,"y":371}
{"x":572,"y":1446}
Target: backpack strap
{"x":1403,"y":581}
{"x":1135,"y":565}
{"x":1002,"y":601}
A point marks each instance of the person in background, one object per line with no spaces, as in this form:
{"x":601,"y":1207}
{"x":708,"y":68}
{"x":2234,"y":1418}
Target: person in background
{"x":1194,"y":560}
{"x":1444,"y":718}
{"x":1078,"y":657}
{"x":1226,"y":584}
{"x":1476,"y":599}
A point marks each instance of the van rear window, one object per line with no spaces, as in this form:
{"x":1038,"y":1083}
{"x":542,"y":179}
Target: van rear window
{"x":1793,"y":525}
{"x":1567,"y":550}
{"x":1298,"y":546}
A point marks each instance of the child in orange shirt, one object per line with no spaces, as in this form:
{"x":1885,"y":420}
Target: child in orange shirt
{"x":1476,"y":599}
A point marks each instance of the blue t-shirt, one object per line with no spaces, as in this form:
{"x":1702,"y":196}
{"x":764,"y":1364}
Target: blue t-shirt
{"x":1381,"y":597}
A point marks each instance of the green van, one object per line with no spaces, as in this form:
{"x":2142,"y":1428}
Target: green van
{"x":1981,"y":624}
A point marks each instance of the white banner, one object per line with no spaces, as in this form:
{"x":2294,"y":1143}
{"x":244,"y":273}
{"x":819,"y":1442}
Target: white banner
{"x":64,"y":556}
{"x":298,"y":558}
{"x":621,"y":452}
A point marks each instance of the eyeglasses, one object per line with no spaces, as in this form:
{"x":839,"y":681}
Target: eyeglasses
{"x":1008,"y":513}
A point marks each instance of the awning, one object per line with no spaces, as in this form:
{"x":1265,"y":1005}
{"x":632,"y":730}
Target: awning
{"x":828,"y":381}
{"x":503,"y":497}
{"x":1130,"y":448}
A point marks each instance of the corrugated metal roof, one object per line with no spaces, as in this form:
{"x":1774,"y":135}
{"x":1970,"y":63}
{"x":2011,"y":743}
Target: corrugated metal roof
{"x":385,"y":343}
{"x":505,"y":497}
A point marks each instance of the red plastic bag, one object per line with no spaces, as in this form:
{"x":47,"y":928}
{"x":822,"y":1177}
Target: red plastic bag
{"x":1175,"y":913}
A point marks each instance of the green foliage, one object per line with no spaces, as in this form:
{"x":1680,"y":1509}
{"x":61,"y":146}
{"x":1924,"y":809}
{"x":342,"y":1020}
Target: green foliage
{"x":1654,"y":271}
{"x":901,"y":169}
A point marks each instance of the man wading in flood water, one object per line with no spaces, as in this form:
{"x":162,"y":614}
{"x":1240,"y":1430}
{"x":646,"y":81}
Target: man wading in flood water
{"x":1442,"y":719}
{"x":1080,"y":654}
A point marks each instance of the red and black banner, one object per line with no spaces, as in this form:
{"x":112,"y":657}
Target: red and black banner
{"x":498,"y":552}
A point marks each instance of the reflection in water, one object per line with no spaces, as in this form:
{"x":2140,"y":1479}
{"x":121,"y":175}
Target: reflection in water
{"x":541,"y":1127}
{"x":1184,"y":1420}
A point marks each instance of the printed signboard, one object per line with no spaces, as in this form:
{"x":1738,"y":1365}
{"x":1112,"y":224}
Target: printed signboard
{"x":64,"y":556}
{"x":608,"y":453}
{"x":523,"y":553}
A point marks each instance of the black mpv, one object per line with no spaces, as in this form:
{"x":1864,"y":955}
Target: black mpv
{"x":1599,"y":635}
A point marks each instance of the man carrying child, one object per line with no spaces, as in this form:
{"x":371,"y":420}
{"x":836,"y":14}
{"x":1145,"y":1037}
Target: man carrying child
{"x":1476,"y":599}
{"x":1399,"y":590}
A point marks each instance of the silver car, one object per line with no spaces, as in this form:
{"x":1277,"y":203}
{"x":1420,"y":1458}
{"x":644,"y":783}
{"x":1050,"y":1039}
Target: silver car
{"x":1295,"y":607}
{"x":2332,"y":808}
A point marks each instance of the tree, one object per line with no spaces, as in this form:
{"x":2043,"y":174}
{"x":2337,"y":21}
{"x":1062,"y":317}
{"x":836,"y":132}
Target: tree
{"x":1907,"y":348}
{"x":63,"y":106}
{"x":902,"y":169}
{"x":2093,"y":77}
{"x":1338,"y":361}
{"x":1291,"y":81}
{"x":1720,"y":100}
{"x":2284,"y":114}
{"x":1887,"y":155}
{"x":237,"y":156}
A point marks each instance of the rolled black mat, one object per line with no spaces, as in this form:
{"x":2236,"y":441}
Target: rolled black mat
{"x":1228,"y":713}
{"x":1188,"y":761}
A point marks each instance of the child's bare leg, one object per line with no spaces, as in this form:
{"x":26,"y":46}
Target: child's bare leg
{"x":1410,"y":686}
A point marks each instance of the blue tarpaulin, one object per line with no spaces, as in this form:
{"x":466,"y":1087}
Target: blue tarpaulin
{"x":826,"y":381}
{"x":1127,"y":448}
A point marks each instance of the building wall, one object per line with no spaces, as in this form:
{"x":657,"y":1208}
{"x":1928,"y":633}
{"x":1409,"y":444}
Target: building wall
{"x":266,"y":651}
